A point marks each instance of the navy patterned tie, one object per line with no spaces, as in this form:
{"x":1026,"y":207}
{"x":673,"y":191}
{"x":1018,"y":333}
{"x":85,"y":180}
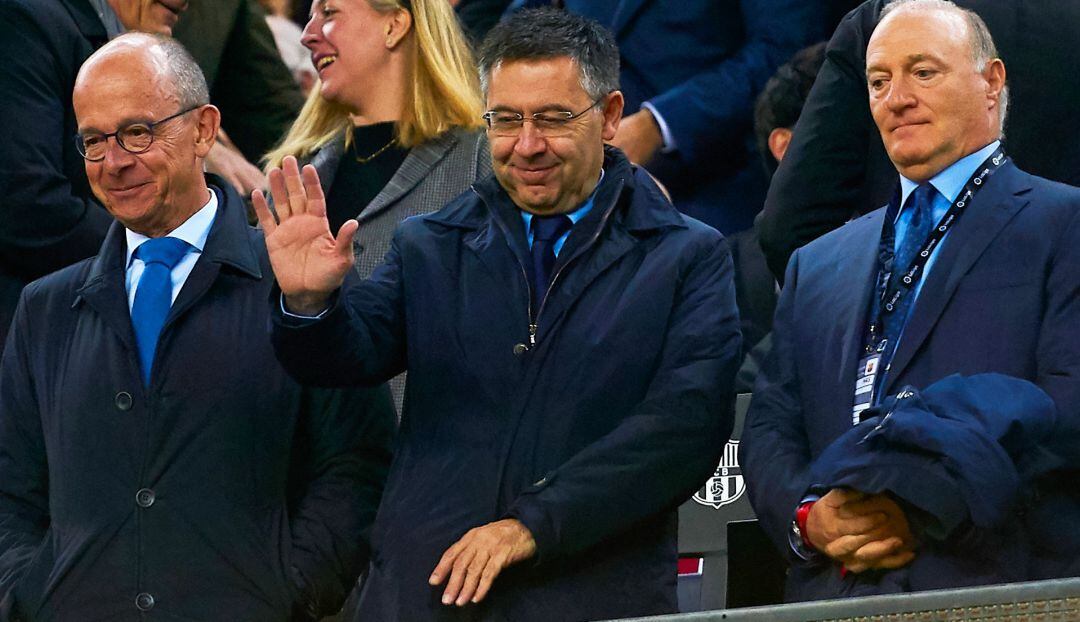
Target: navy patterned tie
{"x":153,"y":296}
{"x":919,"y":227}
{"x":546,"y":231}
{"x":918,"y":230}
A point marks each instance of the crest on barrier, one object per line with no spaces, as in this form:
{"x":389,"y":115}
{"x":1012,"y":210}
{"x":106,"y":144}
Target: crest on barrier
{"x":726,"y":485}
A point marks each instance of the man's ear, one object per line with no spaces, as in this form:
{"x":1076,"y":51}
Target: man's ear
{"x":207,"y":123}
{"x":397,"y":27}
{"x":612,"y":110}
{"x":995,"y":79}
{"x":779,"y":139}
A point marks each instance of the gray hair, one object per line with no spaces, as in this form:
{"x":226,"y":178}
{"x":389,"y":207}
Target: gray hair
{"x":173,"y":58}
{"x":546,"y":33}
{"x":983,"y":49}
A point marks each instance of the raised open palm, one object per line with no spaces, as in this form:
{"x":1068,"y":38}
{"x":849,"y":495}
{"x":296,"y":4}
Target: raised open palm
{"x":308,"y":261}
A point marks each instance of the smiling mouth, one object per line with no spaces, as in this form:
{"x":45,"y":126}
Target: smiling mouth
{"x":325,"y":62}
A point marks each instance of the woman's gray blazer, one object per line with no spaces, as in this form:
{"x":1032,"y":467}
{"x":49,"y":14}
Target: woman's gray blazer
{"x":432,"y":174}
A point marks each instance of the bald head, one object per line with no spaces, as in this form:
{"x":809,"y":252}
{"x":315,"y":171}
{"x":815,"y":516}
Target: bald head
{"x":158,"y":56}
{"x":145,"y":125}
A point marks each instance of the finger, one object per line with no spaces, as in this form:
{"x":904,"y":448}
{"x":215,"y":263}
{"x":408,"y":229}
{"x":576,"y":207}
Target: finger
{"x":843,"y":547}
{"x":457,"y":575}
{"x":316,"y":202}
{"x":262,"y":211}
{"x":856,"y":567}
{"x":858,"y":524}
{"x":472,"y":579}
{"x":293,"y":185}
{"x":898,"y":560}
{"x":446,"y":562}
{"x":844,"y":495}
{"x":279,"y":193}
{"x":344,"y":240}
{"x":491,"y":571}
{"x":876,"y":550}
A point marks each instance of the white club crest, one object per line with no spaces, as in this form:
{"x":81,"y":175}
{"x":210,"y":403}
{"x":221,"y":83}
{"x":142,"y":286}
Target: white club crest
{"x":727,"y":483}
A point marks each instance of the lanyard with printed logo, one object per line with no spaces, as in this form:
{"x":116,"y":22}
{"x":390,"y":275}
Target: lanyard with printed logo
{"x":891,"y":291}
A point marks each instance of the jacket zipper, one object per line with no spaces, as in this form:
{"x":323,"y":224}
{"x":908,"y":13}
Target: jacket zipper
{"x":535,"y":321}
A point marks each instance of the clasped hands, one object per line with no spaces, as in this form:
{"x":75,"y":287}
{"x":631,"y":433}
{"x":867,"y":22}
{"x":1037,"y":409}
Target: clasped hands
{"x":861,"y":531}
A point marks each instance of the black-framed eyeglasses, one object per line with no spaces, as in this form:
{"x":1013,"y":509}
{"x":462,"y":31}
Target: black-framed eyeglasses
{"x":549,"y":123}
{"x":134,"y":138}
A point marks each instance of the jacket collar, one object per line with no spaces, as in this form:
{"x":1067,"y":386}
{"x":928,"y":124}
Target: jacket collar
{"x":647,"y":209}
{"x":228,"y":244}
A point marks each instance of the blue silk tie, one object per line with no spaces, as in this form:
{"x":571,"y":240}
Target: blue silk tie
{"x":920,"y":224}
{"x":153,"y":297}
{"x":546,"y":232}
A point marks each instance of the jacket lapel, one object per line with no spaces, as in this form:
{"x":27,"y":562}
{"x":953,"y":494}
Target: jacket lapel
{"x":87,"y":21}
{"x":991,"y":210}
{"x":227,"y":245}
{"x":326,"y":161}
{"x":855,"y":276}
{"x":104,"y":290}
{"x":417,"y":166}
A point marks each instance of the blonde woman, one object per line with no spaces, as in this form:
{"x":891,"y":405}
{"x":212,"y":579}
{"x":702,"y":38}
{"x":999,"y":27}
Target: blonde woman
{"x":393,"y":124}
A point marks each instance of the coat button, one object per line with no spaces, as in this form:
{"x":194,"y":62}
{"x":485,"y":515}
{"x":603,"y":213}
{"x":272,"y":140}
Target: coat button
{"x":145,"y":498}
{"x":144,"y":601}
{"x":520,"y":349}
{"x":123,"y":400}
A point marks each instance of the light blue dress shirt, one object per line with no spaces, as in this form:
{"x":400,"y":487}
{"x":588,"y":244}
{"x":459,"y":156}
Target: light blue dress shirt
{"x":194,"y":231}
{"x":574,"y":216}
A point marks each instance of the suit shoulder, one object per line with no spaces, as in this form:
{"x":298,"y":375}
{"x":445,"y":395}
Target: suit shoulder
{"x":59,"y":285}
{"x":862,"y":230}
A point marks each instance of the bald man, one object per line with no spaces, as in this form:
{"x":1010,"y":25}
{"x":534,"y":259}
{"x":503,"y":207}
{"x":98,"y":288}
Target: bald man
{"x":917,"y":423}
{"x":154,"y":457}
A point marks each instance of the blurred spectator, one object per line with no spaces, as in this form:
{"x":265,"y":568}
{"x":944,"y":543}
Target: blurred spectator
{"x":836,"y":165}
{"x":478,"y":16}
{"x":690,"y":72}
{"x":49,"y":217}
{"x":405,"y":148}
{"x":249,"y":83}
{"x":775,"y":113}
{"x":287,"y":36}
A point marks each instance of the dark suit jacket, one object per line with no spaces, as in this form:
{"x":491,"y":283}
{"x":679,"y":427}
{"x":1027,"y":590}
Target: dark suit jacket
{"x":701,"y":63}
{"x":1002,"y":296}
{"x":249,"y":82}
{"x":263,"y":491}
{"x":836,"y":165}
{"x":49,"y":217}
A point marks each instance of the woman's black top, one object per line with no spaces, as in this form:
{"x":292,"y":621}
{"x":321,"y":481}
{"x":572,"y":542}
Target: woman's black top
{"x":357,"y":182}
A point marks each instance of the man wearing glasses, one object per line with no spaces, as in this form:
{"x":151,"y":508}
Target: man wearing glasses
{"x":154,"y":457}
{"x":570,"y":340}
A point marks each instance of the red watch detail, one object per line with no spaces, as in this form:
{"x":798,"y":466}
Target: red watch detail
{"x":801,"y":515}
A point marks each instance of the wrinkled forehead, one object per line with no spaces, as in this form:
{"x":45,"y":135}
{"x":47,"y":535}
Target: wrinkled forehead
{"x":916,"y":27}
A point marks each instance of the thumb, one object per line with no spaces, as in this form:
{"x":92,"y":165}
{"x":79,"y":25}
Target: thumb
{"x":343,"y":243}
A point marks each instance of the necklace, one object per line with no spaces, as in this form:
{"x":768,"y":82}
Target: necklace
{"x":378,"y":152}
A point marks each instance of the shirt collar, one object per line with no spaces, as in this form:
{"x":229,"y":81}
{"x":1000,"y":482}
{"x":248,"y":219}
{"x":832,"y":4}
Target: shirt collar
{"x":950,"y":181}
{"x":194,"y":230}
{"x":575,"y":215}
{"x":108,"y":17}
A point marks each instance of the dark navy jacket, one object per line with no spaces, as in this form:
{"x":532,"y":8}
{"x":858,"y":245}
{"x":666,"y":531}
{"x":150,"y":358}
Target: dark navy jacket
{"x":1003,"y":297}
{"x":591,"y":437}
{"x":50,"y":217}
{"x":223,"y":491}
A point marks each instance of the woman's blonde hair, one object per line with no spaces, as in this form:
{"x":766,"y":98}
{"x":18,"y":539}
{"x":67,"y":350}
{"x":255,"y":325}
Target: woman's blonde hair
{"x":445,"y":89}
